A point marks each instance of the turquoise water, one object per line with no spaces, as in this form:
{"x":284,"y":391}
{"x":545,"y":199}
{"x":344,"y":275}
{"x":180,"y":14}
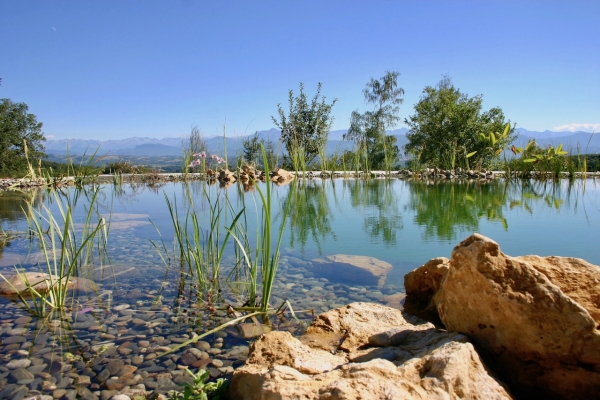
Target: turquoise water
{"x":404,"y":223}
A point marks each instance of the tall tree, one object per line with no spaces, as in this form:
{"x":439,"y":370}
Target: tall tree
{"x":18,"y":129}
{"x":253,"y":151}
{"x":195,"y":143}
{"x":305,"y":128}
{"x":447,"y":128}
{"x":367,"y":130}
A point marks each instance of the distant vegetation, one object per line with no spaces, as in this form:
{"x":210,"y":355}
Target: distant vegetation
{"x":20,"y":132}
{"x":447,"y":130}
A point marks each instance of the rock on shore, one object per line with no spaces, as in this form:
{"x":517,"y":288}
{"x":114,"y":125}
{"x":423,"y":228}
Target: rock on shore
{"x":368,"y":351}
{"x":535,"y":320}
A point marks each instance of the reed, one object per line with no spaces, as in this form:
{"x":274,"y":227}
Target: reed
{"x":67,"y":248}
{"x":199,"y":251}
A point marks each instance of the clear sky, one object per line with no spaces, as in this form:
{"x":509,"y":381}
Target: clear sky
{"x":115,"y":69}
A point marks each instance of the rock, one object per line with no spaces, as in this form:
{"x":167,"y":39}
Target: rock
{"x":18,"y":364}
{"x":351,"y":269}
{"x":282,"y":176}
{"x":428,"y":363}
{"x":17,"y":283}
{"x":252,"y":330}
{"x":534,"y":319}
{"x":421,"y":285}
{"x":114,"y":271}
{"x":226,"y":175}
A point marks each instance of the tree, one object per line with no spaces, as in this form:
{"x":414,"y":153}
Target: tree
{"x":367,"y":130}
{"x":305,"y":129}
{"x":448,"y":128}
{"x":253,"y":151}
{"x":18,"y":130}
{"x":195,"y":143}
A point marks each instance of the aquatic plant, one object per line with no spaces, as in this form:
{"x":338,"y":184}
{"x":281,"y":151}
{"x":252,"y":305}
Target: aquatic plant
{"x":66,"y":248}
{"x":200,"y":389}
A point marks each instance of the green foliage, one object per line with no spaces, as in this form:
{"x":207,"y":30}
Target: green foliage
{"x":305,"y":128}
{"x":124,"y":167}
{"x":193,"y":144}
{"x":252,"y":150}
{"x":376,"y":149}
{"x":446,"y":128}
{"x":66,"y":247}
{"x":18,"y":130}
{"x":200,"y":390}
{"x":533,"y":157}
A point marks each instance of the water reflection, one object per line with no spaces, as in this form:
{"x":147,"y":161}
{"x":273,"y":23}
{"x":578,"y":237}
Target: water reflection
{"x":377,"y":200}
{"x":310,"y":214}
{"x":444,"y":209}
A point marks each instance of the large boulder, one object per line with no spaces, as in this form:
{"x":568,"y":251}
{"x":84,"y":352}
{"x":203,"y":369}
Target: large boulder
{"x":365,"y":351}
{"x":226,"y":175}
{"x":352,"y":269}
{"x":535,"y":320}
{"x":282,"y":176}
{"x":19,"y":283}
{"x":421,"y":286}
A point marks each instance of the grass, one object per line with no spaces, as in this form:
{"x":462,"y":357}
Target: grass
{"x":67,"y":248}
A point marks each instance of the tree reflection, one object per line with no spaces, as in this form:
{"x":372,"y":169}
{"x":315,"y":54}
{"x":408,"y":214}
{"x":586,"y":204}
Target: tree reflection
{"x":310,"y":215}
{"x":443,"y":208}
{"x":378,"y":202}
{"x":12,"y":206}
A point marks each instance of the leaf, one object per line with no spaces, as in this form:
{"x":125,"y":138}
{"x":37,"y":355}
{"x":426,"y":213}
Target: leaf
{"x":471,"y":154}
{"x":506,"y":130}
{"x":492,"y":138}
{"x":530,"y":160}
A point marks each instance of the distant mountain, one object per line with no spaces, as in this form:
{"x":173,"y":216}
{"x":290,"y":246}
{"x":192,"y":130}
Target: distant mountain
{"x":573,"y":142}
{"x":584,"y":142}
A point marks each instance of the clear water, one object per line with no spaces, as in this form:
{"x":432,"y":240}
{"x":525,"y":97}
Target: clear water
{"x":403,"y":223}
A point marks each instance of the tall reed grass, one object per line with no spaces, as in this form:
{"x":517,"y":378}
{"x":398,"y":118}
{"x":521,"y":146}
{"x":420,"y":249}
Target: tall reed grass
{"x":68,"y":249}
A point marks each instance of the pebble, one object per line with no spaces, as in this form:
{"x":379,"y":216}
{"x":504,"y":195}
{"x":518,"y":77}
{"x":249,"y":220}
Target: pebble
{"x":16,"y":364}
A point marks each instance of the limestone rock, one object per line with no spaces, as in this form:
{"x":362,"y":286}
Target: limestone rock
{"x":226,"y":175}
{"x":281,"y":348}
{"x":352,"y":269}
{"x":421,"y":285}
{"x":425,"y":364}
{"x":280,"y":175}
{"x":534,"y":319}
{"x":356,"y":322}
{"x":40,"y":281}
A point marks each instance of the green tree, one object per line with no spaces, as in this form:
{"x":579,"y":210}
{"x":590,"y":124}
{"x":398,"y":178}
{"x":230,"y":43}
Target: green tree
{"x":195,"y":143}
{"x":447,"y":128}
{"x":367,"y":130}
{"x":253,"y":152}
{"x":305,"y":128}
{"x":18,"y":129}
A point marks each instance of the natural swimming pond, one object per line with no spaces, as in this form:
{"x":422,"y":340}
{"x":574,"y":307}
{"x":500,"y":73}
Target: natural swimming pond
{"x":112,"y":337}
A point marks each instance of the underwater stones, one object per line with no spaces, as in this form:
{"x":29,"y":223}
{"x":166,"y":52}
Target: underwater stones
{"x":352,"y":269}
{"x":114,"y":271}
{"x":252,"y":330}
{"x":18,"y":283}
{"x":18,"y":364}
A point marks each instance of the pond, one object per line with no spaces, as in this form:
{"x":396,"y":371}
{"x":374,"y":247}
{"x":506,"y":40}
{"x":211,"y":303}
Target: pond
{"x":112,"y":338}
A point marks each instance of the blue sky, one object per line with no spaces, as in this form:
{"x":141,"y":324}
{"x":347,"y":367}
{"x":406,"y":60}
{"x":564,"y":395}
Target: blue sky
{"x":115,"y":69}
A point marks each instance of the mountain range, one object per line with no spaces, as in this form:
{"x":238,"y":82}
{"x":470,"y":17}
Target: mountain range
{"x":575,"y":142}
